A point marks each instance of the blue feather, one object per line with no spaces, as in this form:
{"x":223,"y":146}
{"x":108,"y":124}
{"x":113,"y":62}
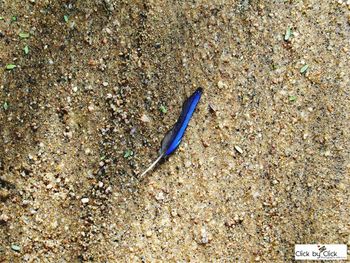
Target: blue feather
{"x":174,"y":137}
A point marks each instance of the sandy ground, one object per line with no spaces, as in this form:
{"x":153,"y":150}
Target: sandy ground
{"x":264,"y":163}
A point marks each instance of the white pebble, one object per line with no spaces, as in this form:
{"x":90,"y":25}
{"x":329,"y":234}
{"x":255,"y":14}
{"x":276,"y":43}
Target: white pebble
{"x":160,"y":196}
{"x":238,"y":149}
{"x":85,"y":200}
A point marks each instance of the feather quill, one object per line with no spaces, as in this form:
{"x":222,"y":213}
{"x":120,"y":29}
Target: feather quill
{"x":174,"y":136}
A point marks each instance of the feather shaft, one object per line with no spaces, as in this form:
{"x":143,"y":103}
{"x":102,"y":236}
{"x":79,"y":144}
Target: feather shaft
{"x":151,"y":166}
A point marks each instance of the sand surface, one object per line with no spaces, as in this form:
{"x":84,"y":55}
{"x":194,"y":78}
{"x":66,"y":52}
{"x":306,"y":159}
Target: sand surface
{"x":265,"y":161}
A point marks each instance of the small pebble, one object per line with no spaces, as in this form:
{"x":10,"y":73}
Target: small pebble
{"x":188,"y":163}
{"x":238,"y":149}
{"x":85,"y":200}
{"x":145,"y":118}
{"x":4,"y":218}
{"x":87,"y":151}
{"x":149,"y":233}
{"x":204,"y":236}
{"x":91,"y":107}
{"x":160,"y":196}
{"x":16,"y":248}
{"x":221,"y":84}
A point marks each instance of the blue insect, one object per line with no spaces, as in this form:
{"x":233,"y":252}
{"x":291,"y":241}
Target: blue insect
{"x":173,"y":137}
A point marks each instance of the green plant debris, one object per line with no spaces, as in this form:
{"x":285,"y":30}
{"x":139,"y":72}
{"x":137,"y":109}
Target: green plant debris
{"x":288,"y":34}
{"x":304,"y":68}
{"x":1,"y":18}
{"x":5,"y":106}
{"x":65,"y":17}
{"x":128,"y":153}
{"x":163,"y":109}
{"x":10,"y":66}
{"x":26,"y":50}
{"x":292,"y":98}
{"x":16,"y":248}
{"x":14,"y":18}
{"x":23,"y":35}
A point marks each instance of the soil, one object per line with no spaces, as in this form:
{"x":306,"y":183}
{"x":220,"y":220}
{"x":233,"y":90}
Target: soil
{"x":264,"y":164}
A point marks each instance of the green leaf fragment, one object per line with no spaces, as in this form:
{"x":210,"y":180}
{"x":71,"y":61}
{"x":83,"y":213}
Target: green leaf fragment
{"x":1,"y":18}
{"x":288,"y":34}
{"x":304,"y":69}
{"x":10,"y":66}
{"x":65,"y":17}
{"x":23,"y":35}
{"x":26,"y":50}
{"x":14,"y":18}
{"x":292,"y":98}
{"x":5,"y":106}
{"x":163,"y":109}
{"x":16,"y":248}
{"x":128,"y":153}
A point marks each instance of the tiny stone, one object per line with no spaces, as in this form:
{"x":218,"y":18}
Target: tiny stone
{"x":205,"y":143}
{"x":327,"y":153}
{"x":91,"y":107}
{"x":54,"y":224}
{"x":75,"y":89}
{"x":105,"y":84}
{"x":90,"y":175}
{"x":238,"y":149}
{"x":160,"y":196}
{"x":16,"y":248}
{"x":221,"y":84}
{"x":173,"y":212}
{"x":188,"y":163}
{"x":145,"y":118}
{"x":204,"y":236}
{"x":85,"y":200}
{"x":68,"y":134}
{"x":4,"y":218}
